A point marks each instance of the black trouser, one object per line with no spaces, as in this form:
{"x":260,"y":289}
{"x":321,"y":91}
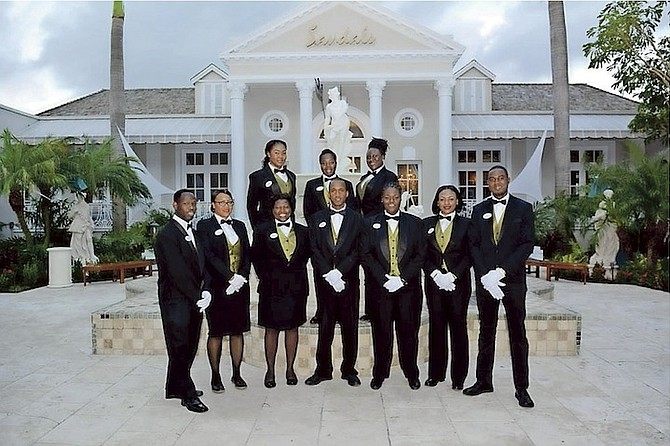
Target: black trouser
{"x":181,"y":327}
{"x":448,"y":314}
{"x":514,"y":302}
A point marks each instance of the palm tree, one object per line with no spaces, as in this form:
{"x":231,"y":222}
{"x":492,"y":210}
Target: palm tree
{"x":117,"y":104}
{"x":560,"y":96}
{"x":25,"y":168}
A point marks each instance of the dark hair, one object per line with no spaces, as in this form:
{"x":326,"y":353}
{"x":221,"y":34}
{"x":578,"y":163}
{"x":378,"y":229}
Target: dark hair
{"x":498,"y":166}
{"x":276,"y":198}
{"x":380,"y":144}
{"x":268,"y":146}
{"x":325,"y":152}
{"x":337,"y":179}
{"x":436,"y":209}
{"x":177,"y":195}
{"x":394,"y":185}
{"x":216,"y":192}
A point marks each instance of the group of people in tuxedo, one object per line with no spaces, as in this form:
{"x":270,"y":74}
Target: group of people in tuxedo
{"x":207,"y":270}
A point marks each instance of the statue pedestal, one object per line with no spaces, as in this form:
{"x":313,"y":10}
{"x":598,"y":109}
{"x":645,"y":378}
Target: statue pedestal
{"x":60,"y":267}
{"x":610,"y":271}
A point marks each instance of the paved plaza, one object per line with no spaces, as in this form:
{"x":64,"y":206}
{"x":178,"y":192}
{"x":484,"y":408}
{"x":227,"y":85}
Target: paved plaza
{"x":53,"y":391}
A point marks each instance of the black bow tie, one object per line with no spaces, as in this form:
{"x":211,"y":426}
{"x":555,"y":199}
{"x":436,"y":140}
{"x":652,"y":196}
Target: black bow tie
{"x":287,"y":224}
{"x":445,"y":217}
{"x":334,"y":212}
{"x":389,"y":217}
{"x":228,"y":222}
{"x":282,"y":170}
{"x":189,"y":226}
{"x":326,"y":179}
{"x":503,"y":202}
{"x":371,"y":172}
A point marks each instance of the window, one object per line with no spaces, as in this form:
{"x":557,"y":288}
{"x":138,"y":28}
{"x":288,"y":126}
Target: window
{"x":472,"y":165}
{"x":408,"y":178}
{"x":274,"y":124}
{"x":580,"y":158}
{"x":218,"y":158}
{"x":204,"y":168}
{"x":408,"y":122}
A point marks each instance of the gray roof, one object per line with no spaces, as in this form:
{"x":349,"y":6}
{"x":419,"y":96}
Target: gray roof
{"x":537,"y":97}
{"x":505,"y":97}
{"x":142,"y":101}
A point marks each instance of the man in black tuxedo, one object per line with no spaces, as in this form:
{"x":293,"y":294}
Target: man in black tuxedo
{"x":317,"y":198}
{"x":335,"y":236}
{"x":271,"y":180}
{"x":181,"y":269}
{"x":393,"y":252}
{"x":502,"y":234}
{"x":369,"y":193}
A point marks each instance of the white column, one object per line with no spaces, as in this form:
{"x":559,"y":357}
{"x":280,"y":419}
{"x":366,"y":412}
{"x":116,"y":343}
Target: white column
{"x":238,"y":183}
{"x":375,"y":89}
{"x":306,"y":89}
{"x":445,"y":157}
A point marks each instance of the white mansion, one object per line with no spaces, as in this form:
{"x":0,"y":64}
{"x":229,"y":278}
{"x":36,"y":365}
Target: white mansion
{"x":446,"y":120}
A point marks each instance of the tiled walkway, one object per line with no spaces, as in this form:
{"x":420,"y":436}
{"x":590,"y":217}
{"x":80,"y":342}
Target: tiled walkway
{"x":53,"y":391}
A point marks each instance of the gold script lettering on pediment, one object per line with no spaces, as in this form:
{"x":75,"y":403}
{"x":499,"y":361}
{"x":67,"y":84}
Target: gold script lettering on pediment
{"x":346,"y":38}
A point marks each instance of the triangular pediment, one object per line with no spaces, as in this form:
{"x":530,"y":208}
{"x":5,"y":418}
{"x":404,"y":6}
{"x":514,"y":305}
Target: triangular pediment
{"x":349,"y":27}
{"x":474,"y":70}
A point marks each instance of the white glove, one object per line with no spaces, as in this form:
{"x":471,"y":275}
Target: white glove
{"x":206,"y":299}
{"x":236,"y":283}
{"x":333,"y":276}
{"x":493,"y":278}
{"x":448,"y":282}
{"x":338,"y":285}
{"x":495,"y":292}
{"x":393,"y":284}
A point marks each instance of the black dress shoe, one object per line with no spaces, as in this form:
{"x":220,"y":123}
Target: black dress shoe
{"x":315,"y":320}
{"x":269,"y":381}
{"x":199,"y":393}
{"x":352,"y":380}
{"x":238,"y":382}
{"x":477,"y":389}
{"x":364,"y":318}
{"x":456,"y":386}
{"x":316,"y":379}
{"x":194,"y":405}
{"x":291,"y":379}
{"x":376,"y":383}
{"x":217,"y":387}
{"x":524,"y":398}
{"x":414,"y":383}
{"x":431,"y":382}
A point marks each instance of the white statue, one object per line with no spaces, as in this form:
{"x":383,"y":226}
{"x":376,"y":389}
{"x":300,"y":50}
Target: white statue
{"x":82,"y":231}
{"x":607,"y":244}
{"x":336,"y":127}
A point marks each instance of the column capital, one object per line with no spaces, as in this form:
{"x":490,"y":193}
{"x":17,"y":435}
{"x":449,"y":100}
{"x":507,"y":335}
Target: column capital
{"x":375,"y":87}
{"x":237,"y":90}
{"x":444,"y":86}
{"x":305,"y":86}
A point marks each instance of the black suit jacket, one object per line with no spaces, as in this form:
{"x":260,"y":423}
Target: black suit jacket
{"x":262,"y":187}
{"x":313,"y":201}
{"x":277,"y":276}
{"x":517,"y":237}
{"x":345,"y":255}
{"x":217,"y":258}
{"x":371,"y":203}
{"x":181,"y":268}
{"x":456,"y":256}
{"x":411,"y":248}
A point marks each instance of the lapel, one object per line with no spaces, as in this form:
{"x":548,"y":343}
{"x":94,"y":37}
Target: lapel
{"x":509,"y":211}
{"x":383,"y":238}
{"x":344,"y":229}
{"x":222,"y":239}
{"x":403,"y":235}
{"x":488,"y":223}
{"x":431,"y":224}
{"x":196,"y":254}
{"x":269,"y":176}
{"x":319,"y":193}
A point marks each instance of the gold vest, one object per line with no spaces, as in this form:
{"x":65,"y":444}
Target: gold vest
{"x":443,"y":238}
{"x":287,"y":243}
{"x":234,"y":254}
{"x":497,"y":226}
{"x":393,"y":250}
{"x":284,"y":186}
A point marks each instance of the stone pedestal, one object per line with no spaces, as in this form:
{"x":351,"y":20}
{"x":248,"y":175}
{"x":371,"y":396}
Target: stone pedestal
{"x":60,"y":267}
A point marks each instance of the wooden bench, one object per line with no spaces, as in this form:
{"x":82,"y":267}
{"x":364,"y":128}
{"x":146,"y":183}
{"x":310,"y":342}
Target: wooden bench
{"x":144,"y":267}
{"x":551,"y":265}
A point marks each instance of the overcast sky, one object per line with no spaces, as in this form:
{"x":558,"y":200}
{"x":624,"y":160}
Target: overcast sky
{"x":53,"y":52}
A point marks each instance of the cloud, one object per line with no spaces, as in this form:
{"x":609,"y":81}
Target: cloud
{"x":34,"y":91}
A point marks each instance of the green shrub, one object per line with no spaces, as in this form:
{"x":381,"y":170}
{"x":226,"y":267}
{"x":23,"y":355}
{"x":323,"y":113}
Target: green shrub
{"x":636,"y":272}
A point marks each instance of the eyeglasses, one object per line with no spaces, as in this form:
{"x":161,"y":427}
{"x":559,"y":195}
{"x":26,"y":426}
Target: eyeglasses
{"x":225,"y":202}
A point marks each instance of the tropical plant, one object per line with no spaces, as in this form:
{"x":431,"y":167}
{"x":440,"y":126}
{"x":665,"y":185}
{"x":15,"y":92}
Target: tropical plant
{"x":640,"y":184}
{"x":627,"y":42}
